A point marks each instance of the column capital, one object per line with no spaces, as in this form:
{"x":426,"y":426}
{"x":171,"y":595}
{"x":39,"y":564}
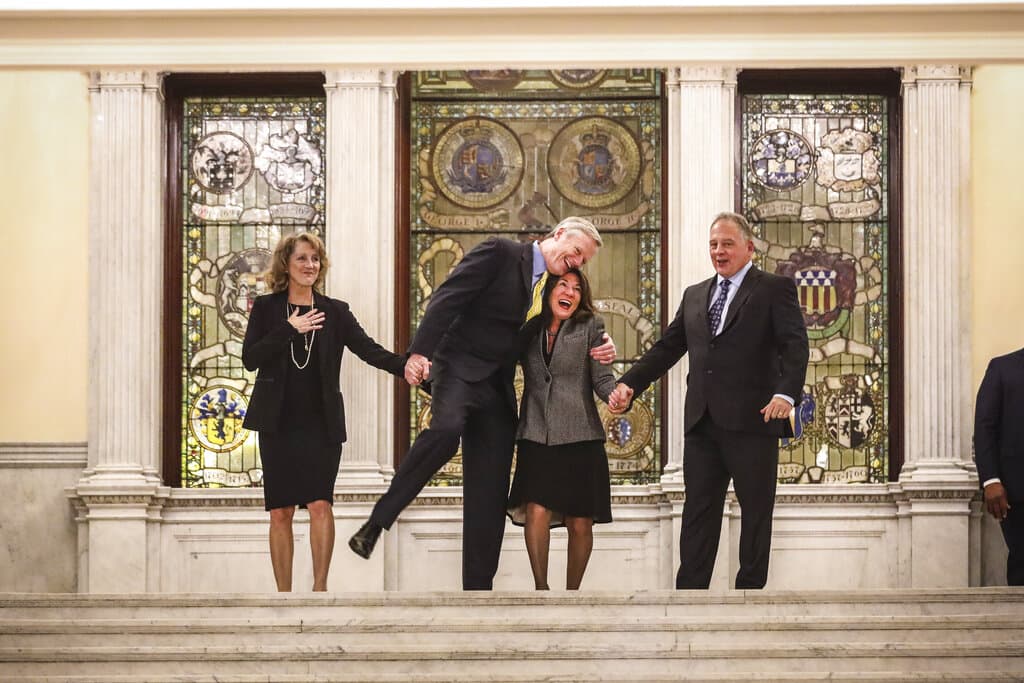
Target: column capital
{"x":935,"y":72}
{"x":701,"y":74}
{"x":106,"y":80}
{"x":359,"y":78}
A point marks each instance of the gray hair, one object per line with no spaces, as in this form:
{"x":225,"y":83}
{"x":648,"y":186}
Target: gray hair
{"x":736,"y":219}
{"x":571,"y":223}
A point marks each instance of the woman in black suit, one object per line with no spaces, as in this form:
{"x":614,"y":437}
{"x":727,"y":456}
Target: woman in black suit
{"x":561,"y":467}
{"x":295,"y":340}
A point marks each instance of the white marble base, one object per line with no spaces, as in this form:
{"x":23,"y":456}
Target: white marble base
{"x":38,"y":538}
{"x":838,"y":537}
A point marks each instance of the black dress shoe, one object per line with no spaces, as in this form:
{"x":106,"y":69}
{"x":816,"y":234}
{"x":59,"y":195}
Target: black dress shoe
{"x":362,"y":541}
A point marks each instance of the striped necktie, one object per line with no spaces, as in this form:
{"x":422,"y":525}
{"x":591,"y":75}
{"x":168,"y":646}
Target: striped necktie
{"x":538,"y":295}
{"x":715,"y":313}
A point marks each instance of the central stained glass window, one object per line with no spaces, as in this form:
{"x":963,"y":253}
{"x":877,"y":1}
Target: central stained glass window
{"x":511,"y":152}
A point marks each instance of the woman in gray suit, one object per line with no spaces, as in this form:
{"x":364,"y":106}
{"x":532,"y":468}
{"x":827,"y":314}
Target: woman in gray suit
{"x":561,"y":467}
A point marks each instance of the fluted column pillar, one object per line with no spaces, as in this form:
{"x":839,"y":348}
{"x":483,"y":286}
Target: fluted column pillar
{"x":700,"y":171}
{"x":119,"y":495}
{"x":938,"y":477}
{"x":361,"y":244}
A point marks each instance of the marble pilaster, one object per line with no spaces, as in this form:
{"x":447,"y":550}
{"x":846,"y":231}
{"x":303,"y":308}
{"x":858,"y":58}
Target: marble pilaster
{"x":938,"y":478}
{"x":361,"y":244}
{"x":700,"y":171}
{"x":119,"y":494}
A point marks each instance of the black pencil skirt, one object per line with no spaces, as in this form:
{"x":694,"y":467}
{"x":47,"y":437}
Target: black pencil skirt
{"x":299,"y":466}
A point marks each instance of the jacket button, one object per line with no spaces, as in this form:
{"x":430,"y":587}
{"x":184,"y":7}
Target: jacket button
{"x":709,"y":372}
{"x":547,"y":379}
{"x":711,"y":346}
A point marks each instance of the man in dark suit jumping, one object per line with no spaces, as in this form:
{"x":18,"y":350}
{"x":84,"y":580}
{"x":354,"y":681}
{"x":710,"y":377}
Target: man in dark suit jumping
{"x":468,"y":342}
{"x":999,"y":453}
{"x":747,"y":341}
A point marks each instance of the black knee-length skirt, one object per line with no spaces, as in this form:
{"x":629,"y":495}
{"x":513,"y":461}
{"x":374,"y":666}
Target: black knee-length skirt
{"x":571,"y":480}
{"x":299,"y":466}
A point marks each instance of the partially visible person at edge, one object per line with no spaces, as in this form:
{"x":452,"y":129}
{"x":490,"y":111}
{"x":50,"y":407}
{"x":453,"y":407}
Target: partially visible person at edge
{"x":999,"y":453}
{"x":561,"y":474}
{"x":468,"y":343}
{"x":747,"y":343}
{"x":295,"y":340}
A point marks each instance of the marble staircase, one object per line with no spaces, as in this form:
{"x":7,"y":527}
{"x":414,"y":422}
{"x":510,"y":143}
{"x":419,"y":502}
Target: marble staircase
{"x":759,"y":636}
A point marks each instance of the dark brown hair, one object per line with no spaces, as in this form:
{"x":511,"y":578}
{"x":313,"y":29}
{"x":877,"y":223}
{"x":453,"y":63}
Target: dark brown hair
{"x":586,"y":307}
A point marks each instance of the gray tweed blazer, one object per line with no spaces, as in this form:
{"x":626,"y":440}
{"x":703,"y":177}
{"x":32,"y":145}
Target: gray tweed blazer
{"x":558,"y":403}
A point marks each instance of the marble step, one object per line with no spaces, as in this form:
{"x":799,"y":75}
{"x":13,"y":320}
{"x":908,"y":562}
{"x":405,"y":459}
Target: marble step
{"x":542,"y":660}
{"x":955,"y":635}
{"x":584,"y":629}
{"x":981,"y":676}
{"x":511,"y":604}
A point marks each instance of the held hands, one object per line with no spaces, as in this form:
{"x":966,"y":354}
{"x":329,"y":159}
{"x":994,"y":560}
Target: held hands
{"x":417,"y":369}
{"x":620,"y":398}
{"x":314,"y":320}
{"x":777,"y":409}
{"x":996,"y":501}
{"x":605,"y":353}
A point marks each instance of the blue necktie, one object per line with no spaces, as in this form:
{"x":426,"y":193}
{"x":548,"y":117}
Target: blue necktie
{"x":715,"y":312}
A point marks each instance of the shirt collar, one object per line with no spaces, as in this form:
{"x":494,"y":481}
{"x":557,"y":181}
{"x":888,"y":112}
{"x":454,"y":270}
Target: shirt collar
{"x":737,"y":279}
{"x":539,"y":265}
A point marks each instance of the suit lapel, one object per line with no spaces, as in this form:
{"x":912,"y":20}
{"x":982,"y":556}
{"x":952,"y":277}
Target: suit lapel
{"x":750,"y":283}
{"x":323,"y":333}
{"x":526,"y":268}
{"x":706,"y":288}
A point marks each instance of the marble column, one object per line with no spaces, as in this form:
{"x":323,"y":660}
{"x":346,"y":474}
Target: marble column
{"x":701,"y":102}
{"x":119,"y":495}
{"x":701,"y":143}
{"x":361,"y":244}
{"x":938,"y":478}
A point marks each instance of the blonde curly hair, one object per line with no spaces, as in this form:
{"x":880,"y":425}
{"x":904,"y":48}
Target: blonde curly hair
{"x":277,"y":277}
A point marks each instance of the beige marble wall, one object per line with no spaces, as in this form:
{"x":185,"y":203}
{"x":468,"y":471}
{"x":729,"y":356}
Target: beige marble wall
{"x":44,"y":186}
{"x":997,"y":278}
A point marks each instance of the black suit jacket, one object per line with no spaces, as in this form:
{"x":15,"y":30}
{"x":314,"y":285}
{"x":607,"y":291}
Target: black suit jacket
{"x":999,"y":424}
{"x":473,"y":325}
{"x":761,"y":351}
{"x":265,"y":350}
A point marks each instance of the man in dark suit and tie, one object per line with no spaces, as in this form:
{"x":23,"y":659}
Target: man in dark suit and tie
{"x":747,"y":341}
{"x":999,"y":453}
{"x":468,"y":342}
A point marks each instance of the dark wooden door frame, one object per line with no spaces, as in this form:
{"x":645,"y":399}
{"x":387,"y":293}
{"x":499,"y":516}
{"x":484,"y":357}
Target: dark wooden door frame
{"x":176,"y":88}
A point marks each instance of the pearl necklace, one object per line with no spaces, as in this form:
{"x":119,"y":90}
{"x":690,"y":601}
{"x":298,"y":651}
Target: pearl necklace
{"x":309,"y":339}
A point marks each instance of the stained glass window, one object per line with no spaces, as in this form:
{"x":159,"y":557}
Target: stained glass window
{"x":816,"y":183}
{"x":511,"y":153}
{"x":252,"y":169}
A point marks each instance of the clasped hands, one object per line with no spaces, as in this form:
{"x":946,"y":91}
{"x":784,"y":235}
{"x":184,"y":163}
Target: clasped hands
{"x":308,"y":322}
{"x":417,"y":369}
{"x":620,"y":398}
